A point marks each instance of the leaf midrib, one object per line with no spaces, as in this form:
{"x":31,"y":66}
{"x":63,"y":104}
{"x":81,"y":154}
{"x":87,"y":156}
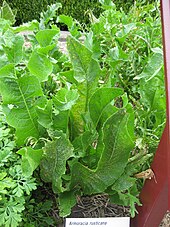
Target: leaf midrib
{"x":85,"y":73}
{"x":26,"y":106}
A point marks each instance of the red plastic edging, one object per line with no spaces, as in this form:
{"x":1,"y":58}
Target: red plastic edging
{"x":155,"y":195}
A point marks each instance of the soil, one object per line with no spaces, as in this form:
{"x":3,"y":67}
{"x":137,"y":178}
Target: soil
{"x":94,"y":207}
{"x":98,"y":206}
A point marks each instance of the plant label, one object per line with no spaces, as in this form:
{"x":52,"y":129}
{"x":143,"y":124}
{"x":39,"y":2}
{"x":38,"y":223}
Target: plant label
{"x":98,"y":222}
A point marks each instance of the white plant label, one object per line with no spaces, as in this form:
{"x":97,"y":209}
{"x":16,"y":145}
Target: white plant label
{"x":98,"y":222}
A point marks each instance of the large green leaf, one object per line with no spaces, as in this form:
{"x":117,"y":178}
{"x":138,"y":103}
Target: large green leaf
{"x":53,"y":164}
{"x":30,"y":160}
{"x":82,"y":142}
{"x":126,"y":180}
{"x":81,"y":58}
{"x":66,"y":20}
{"x":153,"y":94}
{"x":15,"y":52}
{"x":61,"y":120}
{"x":119,"y":131}
{"x":86,"y":69}
{"x":65,"y":99}
{"x":44,"y":37}
{"x":152,"y":68}
{"x":100,"y":108}
{"x":7,"y":13}
{"x":77,"y":123}
{"x":18,"y":102}
{"x":153,"y":98}
{"x":44,"y":112}
{"x":99,"y":101}
{"x":86,"y":72}
{"x":40,"y":66}
{"x":30,"y":26}
{"x":66,"y":201}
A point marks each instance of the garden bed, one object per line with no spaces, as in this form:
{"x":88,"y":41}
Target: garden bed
{"x":82,"y":123}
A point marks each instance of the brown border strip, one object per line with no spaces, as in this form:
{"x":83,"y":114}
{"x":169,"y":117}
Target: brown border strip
{"x":154,"y":195}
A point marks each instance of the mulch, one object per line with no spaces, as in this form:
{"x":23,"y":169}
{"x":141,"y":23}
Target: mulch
{"x":166,"y":220}
{"x":97,"y":206}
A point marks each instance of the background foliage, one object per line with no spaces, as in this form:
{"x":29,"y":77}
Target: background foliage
{"x":28,"y":10}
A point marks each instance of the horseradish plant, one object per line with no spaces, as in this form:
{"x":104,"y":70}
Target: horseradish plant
{"x":86,"y":122}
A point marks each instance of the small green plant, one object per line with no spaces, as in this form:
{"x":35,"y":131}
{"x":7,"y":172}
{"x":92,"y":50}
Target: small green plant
{"x":88,"y":122}
{"x":14,"y":186}
{"x":38,"y":213}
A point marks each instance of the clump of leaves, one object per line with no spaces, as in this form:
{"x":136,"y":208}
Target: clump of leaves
{"x":14,"y":186}
{"x":38,"y":213}
{"x":84,"y":118}
{"x":129,"y":49}
{"x":7,"y":13}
